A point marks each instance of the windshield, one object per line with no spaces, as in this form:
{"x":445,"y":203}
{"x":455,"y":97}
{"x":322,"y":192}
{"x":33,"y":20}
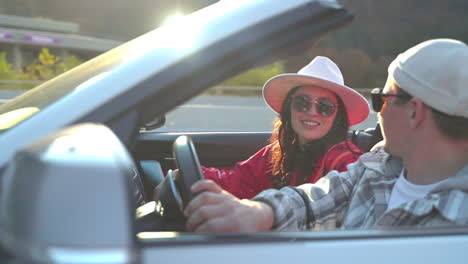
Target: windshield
{"x":159,"y":48}
{"x":26,"y":105}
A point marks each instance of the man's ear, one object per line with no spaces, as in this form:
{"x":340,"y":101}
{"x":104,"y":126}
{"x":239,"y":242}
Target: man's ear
{"x":416,"y":112}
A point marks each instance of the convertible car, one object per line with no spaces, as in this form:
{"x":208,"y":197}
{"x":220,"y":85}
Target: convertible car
{"x":82,"y":153}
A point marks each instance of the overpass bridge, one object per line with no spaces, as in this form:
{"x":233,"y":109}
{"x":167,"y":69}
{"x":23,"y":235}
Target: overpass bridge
{"x":23,"y":37}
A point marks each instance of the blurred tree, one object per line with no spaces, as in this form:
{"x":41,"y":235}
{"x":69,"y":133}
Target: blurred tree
{"x":257,"y":76}
{"x":44,"y":68}
{"x":48,"y":65}
{"x":70,"y":62}
{"x":356,"y":67}
{"x":6,"y":69}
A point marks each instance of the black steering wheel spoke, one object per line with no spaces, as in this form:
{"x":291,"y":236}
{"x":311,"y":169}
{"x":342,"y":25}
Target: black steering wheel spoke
{"x":175,"y":191}
{"x":189,"y":167}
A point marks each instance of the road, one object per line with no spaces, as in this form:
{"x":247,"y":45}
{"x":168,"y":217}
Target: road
{"x":6,"y":95}
{"x":220,"y":113}
{"x":227,"y":113}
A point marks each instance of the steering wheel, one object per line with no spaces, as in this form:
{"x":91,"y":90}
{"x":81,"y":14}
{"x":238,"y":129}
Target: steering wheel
{"x":175,"y":192}
{"x":189,"y":167}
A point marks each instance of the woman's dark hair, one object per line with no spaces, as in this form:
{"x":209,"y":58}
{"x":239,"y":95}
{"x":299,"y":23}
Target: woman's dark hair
{"x":288,"y":156}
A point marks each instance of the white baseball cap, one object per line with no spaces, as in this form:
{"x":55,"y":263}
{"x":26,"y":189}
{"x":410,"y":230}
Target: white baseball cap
{"x":435,"y":71}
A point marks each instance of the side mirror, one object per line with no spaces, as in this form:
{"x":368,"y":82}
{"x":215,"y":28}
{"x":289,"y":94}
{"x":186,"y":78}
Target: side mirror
{"x":154,"y":123}
{"x":69,"y":192}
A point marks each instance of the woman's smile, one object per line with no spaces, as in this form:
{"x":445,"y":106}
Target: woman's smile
{"x":309,"y":124}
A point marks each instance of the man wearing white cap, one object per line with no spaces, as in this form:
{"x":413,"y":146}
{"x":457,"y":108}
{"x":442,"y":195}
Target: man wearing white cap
{"x":418,"y":178}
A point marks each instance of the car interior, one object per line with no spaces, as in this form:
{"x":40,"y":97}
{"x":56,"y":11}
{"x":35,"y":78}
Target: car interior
{"x":157,"y":154}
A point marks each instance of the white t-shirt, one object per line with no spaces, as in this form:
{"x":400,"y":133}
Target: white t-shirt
{"x":405,"y":191}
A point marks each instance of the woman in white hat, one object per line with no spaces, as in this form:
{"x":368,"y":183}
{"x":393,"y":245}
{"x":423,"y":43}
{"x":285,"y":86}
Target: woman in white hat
{"x":315,"y":112}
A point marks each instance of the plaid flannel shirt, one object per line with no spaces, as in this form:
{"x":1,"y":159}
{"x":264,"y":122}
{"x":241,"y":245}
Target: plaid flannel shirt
{"x":358,"y":199}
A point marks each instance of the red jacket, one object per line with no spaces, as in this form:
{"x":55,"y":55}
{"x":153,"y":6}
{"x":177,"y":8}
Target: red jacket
{"x":249,"y":177}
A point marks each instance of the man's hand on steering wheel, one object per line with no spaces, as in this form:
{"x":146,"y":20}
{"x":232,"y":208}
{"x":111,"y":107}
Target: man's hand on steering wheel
{"x":216,"y":210}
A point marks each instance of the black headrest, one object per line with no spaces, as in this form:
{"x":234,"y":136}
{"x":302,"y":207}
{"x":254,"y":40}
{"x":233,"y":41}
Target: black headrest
{"x":366,"y":139}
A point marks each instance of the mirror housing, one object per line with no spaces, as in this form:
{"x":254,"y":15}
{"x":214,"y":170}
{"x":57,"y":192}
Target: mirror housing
{"x":154,"y":123}
{"x":70,"y":192}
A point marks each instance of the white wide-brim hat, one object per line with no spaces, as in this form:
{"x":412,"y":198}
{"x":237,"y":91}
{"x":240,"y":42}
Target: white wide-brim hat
{"x":321,"y":72}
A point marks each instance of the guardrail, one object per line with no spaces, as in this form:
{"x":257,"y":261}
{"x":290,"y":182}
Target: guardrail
{"x":22,"y":85}
{"x":18,"y":85}
{"x":223,"y":90}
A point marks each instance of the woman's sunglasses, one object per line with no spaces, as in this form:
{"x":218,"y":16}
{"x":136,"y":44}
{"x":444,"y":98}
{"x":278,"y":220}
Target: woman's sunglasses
{"x":378,"y":98}
{"x":302,"y":103}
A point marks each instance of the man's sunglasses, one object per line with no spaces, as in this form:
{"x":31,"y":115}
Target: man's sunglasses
{"x":378,"y":98}
{"x":302,"y":103}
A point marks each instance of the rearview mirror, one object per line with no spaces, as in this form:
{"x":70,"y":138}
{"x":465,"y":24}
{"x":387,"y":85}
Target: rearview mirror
{"x":154,"y":123}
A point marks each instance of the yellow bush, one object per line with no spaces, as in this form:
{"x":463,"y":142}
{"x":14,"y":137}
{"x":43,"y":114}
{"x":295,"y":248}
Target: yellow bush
{"x":49,"y":65}
{"x":6,"y":69}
